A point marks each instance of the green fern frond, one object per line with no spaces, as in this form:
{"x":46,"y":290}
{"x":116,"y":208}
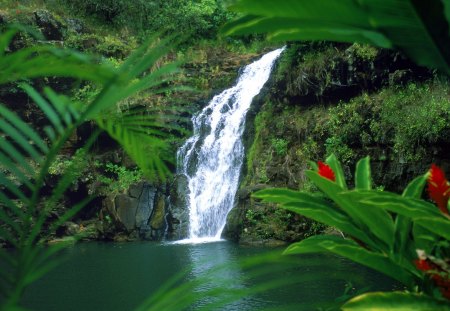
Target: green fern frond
{"x":26,"y":157}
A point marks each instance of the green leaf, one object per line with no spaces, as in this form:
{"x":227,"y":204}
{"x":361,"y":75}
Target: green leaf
{"x":313,"y":166}
{"x":5,"y":40}
{"x":45,"y":107}
{"x":15,"y":155}
{"x":403,"y":224}
{"x":45,"y":61}
{"x":394,"y":301}
{"x":336,"y":166}
{"x":5,"y":218}
{"x":439,"y":226}
{"x":143,"y":141}
{"x":415,"y":187}
{"x":8,"y":237}
{"x":370,"y":219}
{"x":37,"y":273}
{"x":363,"y":177}
{"x":392,"y":202}
{"x":60,"y":104}
{"x":15,"y":170}
{"x":418,"y":28}
{"x":20,"y":140}
{"x":12,"y":206}
{"x":25,"y":128}
{"x":354,"y":252}
{"x":423,"y":239}
{"x":14,"y":189}
{"x":315,"y":208}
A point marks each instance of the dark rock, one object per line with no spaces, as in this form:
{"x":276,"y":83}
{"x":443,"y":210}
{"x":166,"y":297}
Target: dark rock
{"x":157,"y":221}
{"x":178,"y":210}
{"x":126,"y":208}
{"x":89,"y":231}
{"x":234,"y":224}
{"x":50,"y":27}
{"x":135,"y":190}
{"x":145,"y":232}
{"x":145,"y":205}
{"x":71,"y":228}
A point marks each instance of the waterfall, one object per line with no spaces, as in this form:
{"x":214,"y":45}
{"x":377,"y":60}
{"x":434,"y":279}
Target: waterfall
{"x":212,"y":158}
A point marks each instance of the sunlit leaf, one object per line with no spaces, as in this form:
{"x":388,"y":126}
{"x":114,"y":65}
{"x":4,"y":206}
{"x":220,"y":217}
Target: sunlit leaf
{"x":363,"y":177}
{"x":394,"y":301}
{"x":313,"y":207}
{"x":336,"y":166}
{"x":354,"y":252}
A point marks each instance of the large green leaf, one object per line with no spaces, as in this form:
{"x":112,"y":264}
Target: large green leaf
{"x":403,"y":224}
{"x":336,"y":166}
{"x":439,"y":226}
{"x":394,"y":301}
{"x":415,"y":188}
{"x":374,"y":220}
{"x":354,"y":252}
{"x":392,"y":202}
{"x":419,"y":28}
{"x":315,"y":208}
{"x":363,"y":177}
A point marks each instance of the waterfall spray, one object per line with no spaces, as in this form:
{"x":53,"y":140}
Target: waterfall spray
{"x":212,"y":158}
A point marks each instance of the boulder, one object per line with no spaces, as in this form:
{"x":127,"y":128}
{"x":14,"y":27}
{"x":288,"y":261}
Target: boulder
{"x":70,"y":228}
{"x":179,"y":213}
{"x":126,"y":208}
{"x":50,"y":27}
{"x":146,"y":202}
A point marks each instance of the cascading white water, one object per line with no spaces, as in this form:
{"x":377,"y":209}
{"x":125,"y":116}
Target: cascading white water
{"x":212,"y":158}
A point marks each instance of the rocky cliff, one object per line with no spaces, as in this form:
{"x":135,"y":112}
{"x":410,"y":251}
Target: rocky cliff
{"x":350,"y":100}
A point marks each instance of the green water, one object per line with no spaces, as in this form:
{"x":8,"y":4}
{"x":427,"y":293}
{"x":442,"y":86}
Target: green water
{"x":101,"y":276}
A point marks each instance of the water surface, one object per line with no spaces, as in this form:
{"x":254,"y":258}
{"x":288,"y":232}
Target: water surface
{"x":107,"y":276}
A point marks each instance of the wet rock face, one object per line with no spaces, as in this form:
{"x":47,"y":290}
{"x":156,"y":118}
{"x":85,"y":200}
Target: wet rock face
{"x":126,"y":208}
{"x":140,"y":213}
{"x":179,"y":213}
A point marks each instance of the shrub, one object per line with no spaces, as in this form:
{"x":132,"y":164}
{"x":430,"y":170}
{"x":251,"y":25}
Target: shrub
{"x":199,"y":19}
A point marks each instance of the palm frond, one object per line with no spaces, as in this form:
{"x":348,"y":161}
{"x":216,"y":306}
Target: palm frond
{"x":46,"y":60}
{"x":418,"y":28}
{"x":26,"y":157}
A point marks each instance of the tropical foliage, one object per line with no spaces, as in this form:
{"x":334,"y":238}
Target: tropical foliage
{"x":401,"y":236}
{"x":27,"y":153}
{"x":198,"y":19}
{"x":418,"y":28}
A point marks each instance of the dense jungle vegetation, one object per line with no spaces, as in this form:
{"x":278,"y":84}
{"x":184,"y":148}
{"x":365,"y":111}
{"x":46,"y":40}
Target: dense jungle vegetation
{"x":96,"y":97}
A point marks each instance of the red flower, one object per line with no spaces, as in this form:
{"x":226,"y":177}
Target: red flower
{"x":326,"y":171}
{"x":438,"y":188}
{"x":423,"y":265}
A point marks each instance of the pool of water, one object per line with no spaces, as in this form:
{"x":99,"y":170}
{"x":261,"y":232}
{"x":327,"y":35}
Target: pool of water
{"x":107,"y":276}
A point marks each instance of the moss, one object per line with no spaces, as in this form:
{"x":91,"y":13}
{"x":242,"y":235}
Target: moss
{"x":158,"y":221}
{"x":109,"y":46}
{"x":364,"y":51}
{"x":400,"y":127}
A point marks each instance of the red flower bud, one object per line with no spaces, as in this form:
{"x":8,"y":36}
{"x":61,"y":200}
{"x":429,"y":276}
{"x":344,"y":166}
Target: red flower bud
{"x":438,"y":188}
{"x":423,"y":265}
{"x":326,"y":171}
